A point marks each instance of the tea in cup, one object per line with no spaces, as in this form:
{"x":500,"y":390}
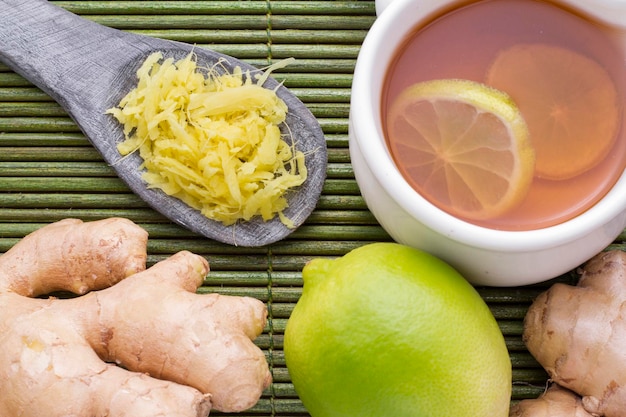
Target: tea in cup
{"x":559,"y":67}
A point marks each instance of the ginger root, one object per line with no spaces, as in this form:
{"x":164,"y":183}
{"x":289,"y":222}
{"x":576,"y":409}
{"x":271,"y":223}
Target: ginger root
{"x":74,"y":256}
{"x":578,"y":334}
{"x":556,"y":401}
{"x":139,"y":342}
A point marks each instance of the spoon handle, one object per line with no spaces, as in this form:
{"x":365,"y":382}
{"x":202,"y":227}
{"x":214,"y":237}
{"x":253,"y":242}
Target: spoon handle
{"x":72,"y":59}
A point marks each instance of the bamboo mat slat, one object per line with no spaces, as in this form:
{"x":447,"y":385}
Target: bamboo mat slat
{"x":49,"y":170}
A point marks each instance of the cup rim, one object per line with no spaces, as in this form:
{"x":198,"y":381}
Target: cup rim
{"x":365,"y":105}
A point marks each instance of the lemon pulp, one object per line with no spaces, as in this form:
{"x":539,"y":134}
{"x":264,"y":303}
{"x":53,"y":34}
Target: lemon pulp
{"x":463,"y":145}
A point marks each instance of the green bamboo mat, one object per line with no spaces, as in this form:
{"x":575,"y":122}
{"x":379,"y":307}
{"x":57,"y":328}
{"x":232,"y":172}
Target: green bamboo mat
{"x":49,"y":171}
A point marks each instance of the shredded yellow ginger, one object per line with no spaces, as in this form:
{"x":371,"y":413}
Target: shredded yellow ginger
{"x":213,"y":142}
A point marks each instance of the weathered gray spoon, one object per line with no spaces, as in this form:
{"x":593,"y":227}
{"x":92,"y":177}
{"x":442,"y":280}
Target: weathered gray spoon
{"x":87,"y":68}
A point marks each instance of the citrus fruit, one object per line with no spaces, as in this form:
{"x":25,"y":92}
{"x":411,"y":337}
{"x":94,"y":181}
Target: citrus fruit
{"x":463,"y":146}
{"x":569,"y":102}
{"x":388,"y":330}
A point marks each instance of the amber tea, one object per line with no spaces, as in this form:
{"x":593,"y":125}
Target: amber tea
{"x":565,"y":75}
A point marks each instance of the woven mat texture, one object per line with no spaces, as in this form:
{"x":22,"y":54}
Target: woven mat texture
{"x":49,"y":171}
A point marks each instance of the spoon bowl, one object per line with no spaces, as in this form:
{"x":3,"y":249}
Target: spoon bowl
{"x":87,"y":68}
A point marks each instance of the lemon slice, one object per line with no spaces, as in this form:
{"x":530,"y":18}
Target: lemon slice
{"x":569,"y":102}
{"x":462,"y":145}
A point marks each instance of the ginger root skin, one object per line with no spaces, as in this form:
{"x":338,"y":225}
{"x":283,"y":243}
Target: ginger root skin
{"x":185,"y":345}
{"x":75,"y":256}
{"x":181,"y":353}
{"x":578,"y":334}
{"x":556,"y":401}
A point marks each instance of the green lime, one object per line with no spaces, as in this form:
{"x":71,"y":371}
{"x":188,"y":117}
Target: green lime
{"x":387,"y":330}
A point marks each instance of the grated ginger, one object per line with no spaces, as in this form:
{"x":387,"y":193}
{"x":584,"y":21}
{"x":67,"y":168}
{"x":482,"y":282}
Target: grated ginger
{"x":213,"y":142}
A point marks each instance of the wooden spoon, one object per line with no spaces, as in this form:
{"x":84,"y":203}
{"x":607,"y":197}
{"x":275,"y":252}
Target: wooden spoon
{"x":87,"y":68}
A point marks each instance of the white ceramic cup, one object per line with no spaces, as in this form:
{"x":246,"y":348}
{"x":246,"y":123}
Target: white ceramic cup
{"x":484,"y":256}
